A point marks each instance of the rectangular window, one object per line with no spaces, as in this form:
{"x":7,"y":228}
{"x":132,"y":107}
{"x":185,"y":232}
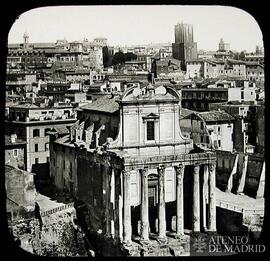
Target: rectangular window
{"x":202,"y":127}
{"x":150,"y":130}
{"x":46,"y":131}
{"x":64,"y":164}
{"x":15,"y":153}
{"x":36,"y":160}
{"x":36,"y":133}
{"x":70,"y":166}
{"x":201,"y":138}
{"x":218,"y":130}
{"x":242,"y":95}
{"x":70,"y":170}
{"x":36,"y":147}
{"x":219,"y":143}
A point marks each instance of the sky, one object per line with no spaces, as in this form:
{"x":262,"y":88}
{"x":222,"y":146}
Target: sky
{"x":128,"y":25}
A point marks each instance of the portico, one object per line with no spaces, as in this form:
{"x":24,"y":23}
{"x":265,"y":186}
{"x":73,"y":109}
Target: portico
{"x":199,"y":216}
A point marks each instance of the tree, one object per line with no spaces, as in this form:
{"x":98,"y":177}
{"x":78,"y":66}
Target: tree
{"x":130,"y":56}
{"x":106,"y":56}
{"x":239,"y":56}
{"x":118,"y":58}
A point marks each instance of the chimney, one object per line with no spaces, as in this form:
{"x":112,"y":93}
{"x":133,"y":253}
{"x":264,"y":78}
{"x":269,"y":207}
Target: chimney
{"x":13,"y":138}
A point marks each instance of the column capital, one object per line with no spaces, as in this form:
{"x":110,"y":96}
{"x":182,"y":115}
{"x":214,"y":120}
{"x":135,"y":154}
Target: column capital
{"x":144,"y":172}
{"x":161,"y":170}
{"x":179,"y":170}
{"x":161,"y":167}
{"x":126,"y":173}
{"x":196,"y":168}
{"x":212,"y":167}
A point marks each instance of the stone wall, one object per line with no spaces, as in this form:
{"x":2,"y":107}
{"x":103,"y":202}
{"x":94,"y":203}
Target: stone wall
{"x":241,"y":173}
{"x":20,"y":191}
{"x":57,"y":237}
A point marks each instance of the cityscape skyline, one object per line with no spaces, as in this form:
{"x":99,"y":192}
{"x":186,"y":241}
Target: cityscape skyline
{"x":139,"y":28}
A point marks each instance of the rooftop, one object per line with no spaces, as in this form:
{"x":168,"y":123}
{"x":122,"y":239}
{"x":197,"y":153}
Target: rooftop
{"x":210,"y":116}
{"x":17,"y":141}
{"x":103,"y":104}
{"x":185,"y":112}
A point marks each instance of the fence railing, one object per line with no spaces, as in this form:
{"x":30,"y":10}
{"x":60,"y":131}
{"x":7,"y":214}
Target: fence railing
{"x":57,"y":209}
{"x":230,"y":206}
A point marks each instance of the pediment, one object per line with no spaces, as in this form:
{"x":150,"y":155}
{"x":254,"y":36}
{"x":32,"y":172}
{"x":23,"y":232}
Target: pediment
{"x":151,"y":116}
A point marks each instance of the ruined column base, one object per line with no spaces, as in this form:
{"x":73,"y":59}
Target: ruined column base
{"x":127,"y":243}
{"x":162,"y":240}
{"x":145,"y":242}
{"x":179,"y":236}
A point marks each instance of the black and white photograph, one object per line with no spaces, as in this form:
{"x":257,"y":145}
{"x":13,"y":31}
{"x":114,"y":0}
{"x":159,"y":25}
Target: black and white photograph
{"x":135,"y":131}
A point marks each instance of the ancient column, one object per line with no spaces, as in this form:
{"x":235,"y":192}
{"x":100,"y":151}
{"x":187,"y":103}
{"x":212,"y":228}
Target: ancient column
{"x":196,"y":199}
{"x":212,"y":198}
{"x":127,"y":210}
{"x":161,"y":204}
{"x":179,"y":200}
{"x":144,"y":205}
{"x":205,"y":194}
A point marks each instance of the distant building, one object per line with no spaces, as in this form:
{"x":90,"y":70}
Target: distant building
{"x":184,"y":48}
{"x":15,"y":150}
{"x":213,"y":128}
{"x":255,"y":72}
{"x":101,"y":41}
{"x":245,"y":126}
{"x":213,"y":68}
{"x":198,"y":99}
{"x":165,"y":66}
{"x":31,"y":123}
{"x":255,"y":57}
{"x":222,"y":46}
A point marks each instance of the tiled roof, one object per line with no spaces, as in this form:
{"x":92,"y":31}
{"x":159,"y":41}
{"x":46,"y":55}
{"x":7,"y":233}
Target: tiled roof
{"x":26,"y":106}
{"x":62,"y":130}
{"x":209,"y":116}
{"x":103,"y":104}
{"x":17,"y":142}
{"x":185,"y":112}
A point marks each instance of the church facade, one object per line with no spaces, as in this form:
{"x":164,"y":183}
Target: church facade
{"x":147,"y":186}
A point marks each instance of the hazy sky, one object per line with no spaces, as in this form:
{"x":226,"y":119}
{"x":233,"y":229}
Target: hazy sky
{"x":125,"y":25}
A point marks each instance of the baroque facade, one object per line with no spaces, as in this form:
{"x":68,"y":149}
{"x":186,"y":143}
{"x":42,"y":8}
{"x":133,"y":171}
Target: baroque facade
{"x":138,"y":183}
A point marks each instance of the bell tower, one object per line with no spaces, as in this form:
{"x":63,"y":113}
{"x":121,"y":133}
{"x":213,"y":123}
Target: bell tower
{"x":25,"y":40}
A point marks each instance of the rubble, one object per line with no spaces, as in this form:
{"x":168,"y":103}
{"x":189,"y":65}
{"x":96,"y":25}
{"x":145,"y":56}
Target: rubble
{"x":58,"y":236}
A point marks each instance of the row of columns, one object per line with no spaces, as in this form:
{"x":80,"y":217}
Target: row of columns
{"x":127,"y":230}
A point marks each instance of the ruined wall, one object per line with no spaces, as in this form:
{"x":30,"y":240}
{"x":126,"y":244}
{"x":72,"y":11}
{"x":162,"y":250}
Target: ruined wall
{"x":63,"y":167}
{"x":15,"y":159}
{"x":224,"y":167}
{"x":253,"y":174}
{"x":91,"y":190}
{"x":58,"y":236}
{"x":246,"y":176}
{"x":111,"y":122}
{"x":260,"y":129}
{"x":20,"y":191}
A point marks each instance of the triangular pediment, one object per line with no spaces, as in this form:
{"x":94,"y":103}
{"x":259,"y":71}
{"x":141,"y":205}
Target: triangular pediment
{"x":151,"y":116}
